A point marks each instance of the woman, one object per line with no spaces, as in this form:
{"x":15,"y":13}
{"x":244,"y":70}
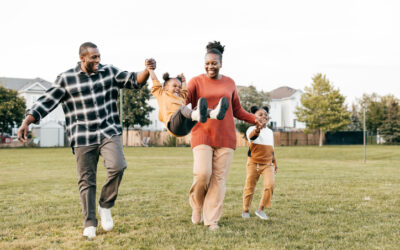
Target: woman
{"x":214,"y":141}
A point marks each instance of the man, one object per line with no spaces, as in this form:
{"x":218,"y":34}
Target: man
{"x":88,"y":94}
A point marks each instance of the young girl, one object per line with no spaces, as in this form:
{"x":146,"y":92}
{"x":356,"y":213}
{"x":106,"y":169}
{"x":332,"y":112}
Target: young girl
{"x":261,"y":161}
{"x":177,"y":117}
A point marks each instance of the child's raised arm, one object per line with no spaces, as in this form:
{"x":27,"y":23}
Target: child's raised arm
{"x":157,"y":88}
{"x":183,"y":80}
{"x":152,"y":75}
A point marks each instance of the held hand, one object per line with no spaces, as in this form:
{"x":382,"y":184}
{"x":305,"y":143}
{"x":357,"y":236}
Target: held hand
{"x":276,"y":168}
{"x":150,"y":64}
{"x":259,"y":123}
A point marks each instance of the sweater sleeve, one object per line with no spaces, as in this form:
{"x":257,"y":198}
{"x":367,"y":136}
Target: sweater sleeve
{"x":156,"y":89}
{"x":192,"y":94}
{"x":239,"y":112}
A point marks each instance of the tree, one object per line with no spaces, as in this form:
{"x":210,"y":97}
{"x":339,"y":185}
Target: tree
{"x":322,"y":107}
{"x":136,"y":109}
{"x":249,"y":96}
{"x":356,"y":119}
{"x":12,"y":109}
{"x":374,"y":111}
{"x":390,"y":128}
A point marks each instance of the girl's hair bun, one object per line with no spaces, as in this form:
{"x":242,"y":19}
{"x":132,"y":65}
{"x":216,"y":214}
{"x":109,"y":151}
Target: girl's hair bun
{"x":254,"y":109}
{"x":166,"y":76}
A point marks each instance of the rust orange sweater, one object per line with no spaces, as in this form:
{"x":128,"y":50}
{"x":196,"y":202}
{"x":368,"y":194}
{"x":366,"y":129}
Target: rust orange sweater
{"x":216,"y":133}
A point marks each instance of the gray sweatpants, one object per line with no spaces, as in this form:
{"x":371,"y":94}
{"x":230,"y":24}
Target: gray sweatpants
{"x":86,"y":162}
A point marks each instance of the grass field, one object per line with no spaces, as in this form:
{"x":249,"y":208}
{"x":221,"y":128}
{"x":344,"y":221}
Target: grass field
{"x":325,"y":198}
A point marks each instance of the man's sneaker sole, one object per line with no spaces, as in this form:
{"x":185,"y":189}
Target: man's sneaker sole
{"x":223,"y":108}
{"x":203,"y":107}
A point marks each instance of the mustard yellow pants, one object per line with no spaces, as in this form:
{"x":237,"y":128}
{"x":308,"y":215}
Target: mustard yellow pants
{"x":254,"y":171}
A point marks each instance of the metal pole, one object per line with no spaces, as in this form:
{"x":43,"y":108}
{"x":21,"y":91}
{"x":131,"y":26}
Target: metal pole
{"x":365,"y":135}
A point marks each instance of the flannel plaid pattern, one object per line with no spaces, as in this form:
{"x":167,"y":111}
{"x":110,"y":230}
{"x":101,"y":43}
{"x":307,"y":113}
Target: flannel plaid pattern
{"x":89,"y":102}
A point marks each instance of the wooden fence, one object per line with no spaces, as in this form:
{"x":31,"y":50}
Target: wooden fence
{"x":163,"y":138}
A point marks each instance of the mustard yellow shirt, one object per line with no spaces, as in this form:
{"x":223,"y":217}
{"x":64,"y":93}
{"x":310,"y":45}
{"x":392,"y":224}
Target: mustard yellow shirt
{"x":168,"y":103}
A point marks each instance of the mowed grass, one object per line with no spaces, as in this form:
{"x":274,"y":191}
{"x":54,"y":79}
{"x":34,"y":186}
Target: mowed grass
{"x":325,"y":198}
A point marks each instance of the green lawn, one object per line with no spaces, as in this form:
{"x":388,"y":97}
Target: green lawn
{"x":325,"y":198}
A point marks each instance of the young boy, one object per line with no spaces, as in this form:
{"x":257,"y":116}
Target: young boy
{"x":261,"y":161}
{"x":179,"y":118}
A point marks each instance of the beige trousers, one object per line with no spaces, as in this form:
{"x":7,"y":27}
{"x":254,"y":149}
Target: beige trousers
{"x":254,"y":171}
{"x":210,"y":171}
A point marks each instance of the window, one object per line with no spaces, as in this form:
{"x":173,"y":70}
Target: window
{"x":294,"y":123}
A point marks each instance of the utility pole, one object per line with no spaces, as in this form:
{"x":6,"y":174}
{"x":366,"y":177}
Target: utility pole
{"x":365,"y":137}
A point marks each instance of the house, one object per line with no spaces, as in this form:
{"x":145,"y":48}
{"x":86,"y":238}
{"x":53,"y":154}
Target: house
{"x":31,"y":90}
{"x":155,"y":125}
{"x":283,"y":103}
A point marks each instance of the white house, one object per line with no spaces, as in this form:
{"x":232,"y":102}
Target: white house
{"x":283,"y":103}
{"x":31,"y":90}
{"x":49,"y":134}
{"x":155,"y":125}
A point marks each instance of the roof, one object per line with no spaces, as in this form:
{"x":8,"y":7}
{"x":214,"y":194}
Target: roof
{"x":20,"y":83}
{"x":282,"y":92}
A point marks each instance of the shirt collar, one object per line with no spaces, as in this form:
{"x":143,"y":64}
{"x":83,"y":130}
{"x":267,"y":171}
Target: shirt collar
{"x":78,"y":69}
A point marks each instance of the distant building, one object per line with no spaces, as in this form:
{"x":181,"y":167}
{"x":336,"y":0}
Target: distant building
{"x":155,"y":125}
{"x":283,"y":103}
{"x":31,"y":90}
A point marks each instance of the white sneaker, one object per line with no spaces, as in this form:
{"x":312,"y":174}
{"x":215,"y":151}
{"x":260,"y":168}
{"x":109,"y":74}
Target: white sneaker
{"x":89,"y":232}
{"x":106,"y":219}
{"x":220,"y":110}
{"x":245,"y":215}
{"x":262,"y":215}
{"x":200,"y":114}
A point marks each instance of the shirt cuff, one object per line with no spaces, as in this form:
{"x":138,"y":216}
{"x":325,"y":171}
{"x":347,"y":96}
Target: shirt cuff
{"x":35,"y":115}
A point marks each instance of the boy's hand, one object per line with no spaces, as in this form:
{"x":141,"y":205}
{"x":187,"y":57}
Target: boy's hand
{"x":150,"y":64}
{"x":259,"y":124}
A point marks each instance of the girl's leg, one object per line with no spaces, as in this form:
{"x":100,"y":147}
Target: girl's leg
{"x":251,"y":181}
{"x":202,"y":167}
{"x":269,"y":180}
{"x":221,"y":161}
{"x":179,"y":124}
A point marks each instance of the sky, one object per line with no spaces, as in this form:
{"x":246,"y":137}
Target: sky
{"x":269,"y":44}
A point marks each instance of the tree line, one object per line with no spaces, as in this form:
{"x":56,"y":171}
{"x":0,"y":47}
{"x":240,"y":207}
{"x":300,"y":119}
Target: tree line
{"x":322,"y":109}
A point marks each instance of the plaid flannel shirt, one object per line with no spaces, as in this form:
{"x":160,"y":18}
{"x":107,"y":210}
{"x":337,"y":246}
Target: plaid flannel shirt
{"x":89,"y":102}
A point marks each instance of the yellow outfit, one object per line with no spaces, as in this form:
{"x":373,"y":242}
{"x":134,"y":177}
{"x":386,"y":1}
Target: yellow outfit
{"x":168,"y":103}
